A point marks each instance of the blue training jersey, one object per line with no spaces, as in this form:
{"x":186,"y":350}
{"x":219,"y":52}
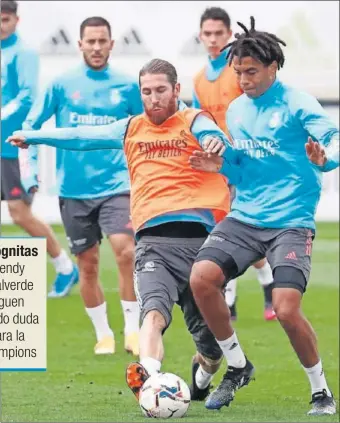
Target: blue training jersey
{"x":279,"y":186}
{"x":19,"y":78}
{"x":112,"y":136}
{"x":85,"y":97}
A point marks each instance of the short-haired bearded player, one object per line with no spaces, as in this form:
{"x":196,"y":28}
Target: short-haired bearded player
{"x":173,"y":209}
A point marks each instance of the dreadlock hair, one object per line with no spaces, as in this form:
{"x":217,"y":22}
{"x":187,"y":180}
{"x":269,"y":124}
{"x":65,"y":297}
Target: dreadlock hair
{"x":261,"y":46}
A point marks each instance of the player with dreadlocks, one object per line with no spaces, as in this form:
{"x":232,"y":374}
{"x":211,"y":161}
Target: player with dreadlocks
{"x":282,"y":141}
{"x":215,"y":87}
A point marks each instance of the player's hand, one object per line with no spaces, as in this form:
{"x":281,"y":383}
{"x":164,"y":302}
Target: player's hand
{"x":17,"y":141}
{"x":213,"y":145}
{"x":201,"y":160}
{"x":315,"y":152}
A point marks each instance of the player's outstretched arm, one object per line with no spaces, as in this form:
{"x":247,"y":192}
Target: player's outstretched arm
{"x":79,"y":138}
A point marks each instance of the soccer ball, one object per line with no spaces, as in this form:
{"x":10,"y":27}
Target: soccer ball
{"x":164,"y":395}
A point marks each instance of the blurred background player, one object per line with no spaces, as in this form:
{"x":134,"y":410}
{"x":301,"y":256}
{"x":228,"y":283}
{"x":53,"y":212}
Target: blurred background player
{"x":19,"y":78}
{"x":283,"y":123}
{"x":94,"y":187}
{"x":215,"y":87}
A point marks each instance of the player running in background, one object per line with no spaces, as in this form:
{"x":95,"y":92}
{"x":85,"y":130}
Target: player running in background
{"x":215,"y":87}
{"x":94,"y":187}
{"x":173,"y":209}
{"x":19,"y":79}
{"x":273,"y":213}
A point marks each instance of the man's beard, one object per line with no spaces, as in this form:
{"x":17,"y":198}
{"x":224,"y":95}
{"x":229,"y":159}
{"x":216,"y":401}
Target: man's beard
{"x":158,"y":119}
{"x":96,"y":67}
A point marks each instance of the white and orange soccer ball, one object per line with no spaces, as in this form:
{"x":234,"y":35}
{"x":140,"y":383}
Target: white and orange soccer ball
{"x":163,"y":396}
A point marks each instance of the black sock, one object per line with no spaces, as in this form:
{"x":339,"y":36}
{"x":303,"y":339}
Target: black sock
{"x":267,"y":290}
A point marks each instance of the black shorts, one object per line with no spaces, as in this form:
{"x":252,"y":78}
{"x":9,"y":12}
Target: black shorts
{"x":247,"y":244}
{"x":162,"y":271}
{"x":86,"y":220}
{"x":11,"y":187}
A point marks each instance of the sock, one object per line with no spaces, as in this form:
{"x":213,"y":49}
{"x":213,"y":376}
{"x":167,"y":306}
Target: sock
{"x":131,"y":316}
{"x":268,"y":294}
{"x":265,"y":274}
{"x":233,"y":352}
{"x":151,"y":365}
{"x":230,"y":292}
{"x":202,"y":378}
{"x":62,"y":264}
{"x":317,"y":378}
{"x":265,"y":277}
{"x":99,"y":319}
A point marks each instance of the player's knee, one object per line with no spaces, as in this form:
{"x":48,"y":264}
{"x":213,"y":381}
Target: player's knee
{"x":88,"y":262}
{"x":285,"y":313}
{"x":154,"y":321}
{"x":19,"y":212}
{"x":205,"y":277}
{"x":289,"y":284}
{"x":126,"y":256}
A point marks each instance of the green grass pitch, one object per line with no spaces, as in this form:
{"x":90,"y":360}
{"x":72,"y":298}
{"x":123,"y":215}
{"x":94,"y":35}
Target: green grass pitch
{"x":79,"y":386}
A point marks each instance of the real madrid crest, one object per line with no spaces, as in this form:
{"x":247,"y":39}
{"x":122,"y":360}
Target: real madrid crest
{"x":115,"y":96}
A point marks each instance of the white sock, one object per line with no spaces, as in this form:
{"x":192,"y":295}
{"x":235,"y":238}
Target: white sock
{"x":230,"y":292}
{"x":62,"y":264}
{"x":317,"y":378}
{"x":232,"y":351}
{"x":202,"y":378}
{"x":131,"y":316}
{"x":265,"y":274}
{"x":151,"y":365}
{"x":99,"y":319}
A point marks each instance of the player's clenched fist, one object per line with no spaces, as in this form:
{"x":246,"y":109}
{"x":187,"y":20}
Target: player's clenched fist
{"x":213,"y":145}
{"x":17,"y":141}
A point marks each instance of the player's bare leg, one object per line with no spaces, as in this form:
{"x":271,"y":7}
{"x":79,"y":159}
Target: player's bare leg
{"x":123,"y":246}
{"x":287,"y":304}
{"x":67,"y":272}
{"x":151,"y":352}
{"x":206,"y":282}
{"x":94,"y":301}
{"x":22,"y":216}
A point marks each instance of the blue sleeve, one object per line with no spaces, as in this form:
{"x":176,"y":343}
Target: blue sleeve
{"x":332,"y":154}
{"x":135,"y":103}
{"x":28,"y":162}
{"x":202,"y":127}
{"x":82,"y":138}
{"x":27,"y":68}
{"x":195,"y":102}
{"x":317,"y":123}
{"x":43,"y":108}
